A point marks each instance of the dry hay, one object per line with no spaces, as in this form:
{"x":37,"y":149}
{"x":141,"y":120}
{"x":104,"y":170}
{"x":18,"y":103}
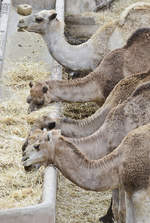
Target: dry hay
{"x":18,"y":188}
{"x":75,"y":205}
{"x":80,"y":110}
{"x":23,"y":73}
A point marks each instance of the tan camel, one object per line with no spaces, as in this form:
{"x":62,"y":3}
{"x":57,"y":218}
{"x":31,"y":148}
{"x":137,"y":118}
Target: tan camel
{"x":81,"y":128}
{"x":134,"y":57}
{"x":120,"y":120}
{"x":127,"y":167}
{"x":88,"y":55}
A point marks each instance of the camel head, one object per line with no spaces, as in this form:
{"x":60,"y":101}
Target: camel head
{"x":46,"y":122}
{"x":40,"y":148}
{"x":38,"y":96}
{"x":38,"y":22}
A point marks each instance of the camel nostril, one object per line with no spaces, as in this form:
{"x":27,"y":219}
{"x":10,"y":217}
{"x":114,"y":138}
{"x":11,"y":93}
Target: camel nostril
{"x":24,"y":153}
{"x":24,"y":158}
{"x":29,"y":99}
{"x":28,"y":168}
{"x":37,"y":147}
{"x":21,"y":21}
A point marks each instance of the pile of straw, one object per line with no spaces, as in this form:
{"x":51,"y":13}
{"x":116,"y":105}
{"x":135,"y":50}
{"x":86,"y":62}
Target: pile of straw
{"x":18,"y":188}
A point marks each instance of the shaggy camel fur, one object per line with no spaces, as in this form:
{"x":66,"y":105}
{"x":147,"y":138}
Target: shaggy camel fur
{"x":119,"y":121}
{"x":81,"y":128}
{"x":86,"y":56}
{"x":127,"y":167}
{"x":134,"y":57}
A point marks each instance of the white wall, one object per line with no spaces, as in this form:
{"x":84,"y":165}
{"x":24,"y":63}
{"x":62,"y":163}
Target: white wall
{"x":79,"y":6}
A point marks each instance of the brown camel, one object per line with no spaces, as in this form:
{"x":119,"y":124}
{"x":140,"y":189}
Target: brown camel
{"x":119,"y":121}
{"x":127,"y":167}
{"x":85,"y":127}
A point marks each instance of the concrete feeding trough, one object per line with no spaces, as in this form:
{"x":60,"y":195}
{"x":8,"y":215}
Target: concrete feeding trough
{"x":9,"y":39}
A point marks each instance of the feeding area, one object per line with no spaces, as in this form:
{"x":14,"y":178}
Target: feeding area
{"x":24,"y":57}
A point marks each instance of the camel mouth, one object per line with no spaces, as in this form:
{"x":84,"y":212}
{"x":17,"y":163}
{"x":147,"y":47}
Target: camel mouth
{"x":31,"y":167}
{"x":20,"y":29}
{"x":34,"y":109}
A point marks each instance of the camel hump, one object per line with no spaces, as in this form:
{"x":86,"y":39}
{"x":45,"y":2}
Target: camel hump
{"x":143,"y":87}
{"x":140,"y":34}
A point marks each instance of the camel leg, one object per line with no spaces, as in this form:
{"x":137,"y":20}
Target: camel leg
{"x":130,"y":215}
{"x":121,"y":208}
{"x":108,"y":218}
{"x":115,"y":204}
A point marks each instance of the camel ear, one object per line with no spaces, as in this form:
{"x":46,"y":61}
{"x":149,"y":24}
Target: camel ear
{"x":53,"y":16}
{"x":30,"y":84}
{"x":45,"y":89}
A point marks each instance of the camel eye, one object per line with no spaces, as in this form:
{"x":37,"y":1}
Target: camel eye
{"x":37,"y":147}
{"x":39,"y":19}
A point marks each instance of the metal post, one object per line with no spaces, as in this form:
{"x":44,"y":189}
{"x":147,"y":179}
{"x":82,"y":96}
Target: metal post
{"x":4,"y":14}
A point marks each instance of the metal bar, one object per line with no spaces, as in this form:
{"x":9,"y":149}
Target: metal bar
{"x":4,"y":15}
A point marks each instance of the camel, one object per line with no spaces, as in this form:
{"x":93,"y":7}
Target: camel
{"x":86,"y":56}
{"x":81,"y":128}
{"x":127,"y":167}
{"x":85,"y":127}
{"x":120,"y":120}
{"x":134,"y":57}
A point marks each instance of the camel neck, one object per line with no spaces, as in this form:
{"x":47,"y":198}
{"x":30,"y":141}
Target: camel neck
{"x":88,"y":174}
{"x":70,"y":55}
{"x":76,"y":90}
{"x":84,"y":127}
{"x":95,"y":146}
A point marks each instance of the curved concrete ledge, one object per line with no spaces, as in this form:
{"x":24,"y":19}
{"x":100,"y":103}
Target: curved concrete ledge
{"x":4,"y":15}
{"x":44,"y":212}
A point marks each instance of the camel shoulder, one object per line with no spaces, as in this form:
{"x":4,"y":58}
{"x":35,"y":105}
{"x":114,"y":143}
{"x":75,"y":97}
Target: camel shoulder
{"x":136,"y":159}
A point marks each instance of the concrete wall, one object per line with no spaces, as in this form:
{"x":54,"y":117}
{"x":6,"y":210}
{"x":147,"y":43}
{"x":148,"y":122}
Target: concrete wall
{"x":37,"y":4}
{"x":79,"y":6}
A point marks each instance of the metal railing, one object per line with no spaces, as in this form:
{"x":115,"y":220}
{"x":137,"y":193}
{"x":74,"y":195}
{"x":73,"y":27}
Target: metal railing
{"x":4,"y":15}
